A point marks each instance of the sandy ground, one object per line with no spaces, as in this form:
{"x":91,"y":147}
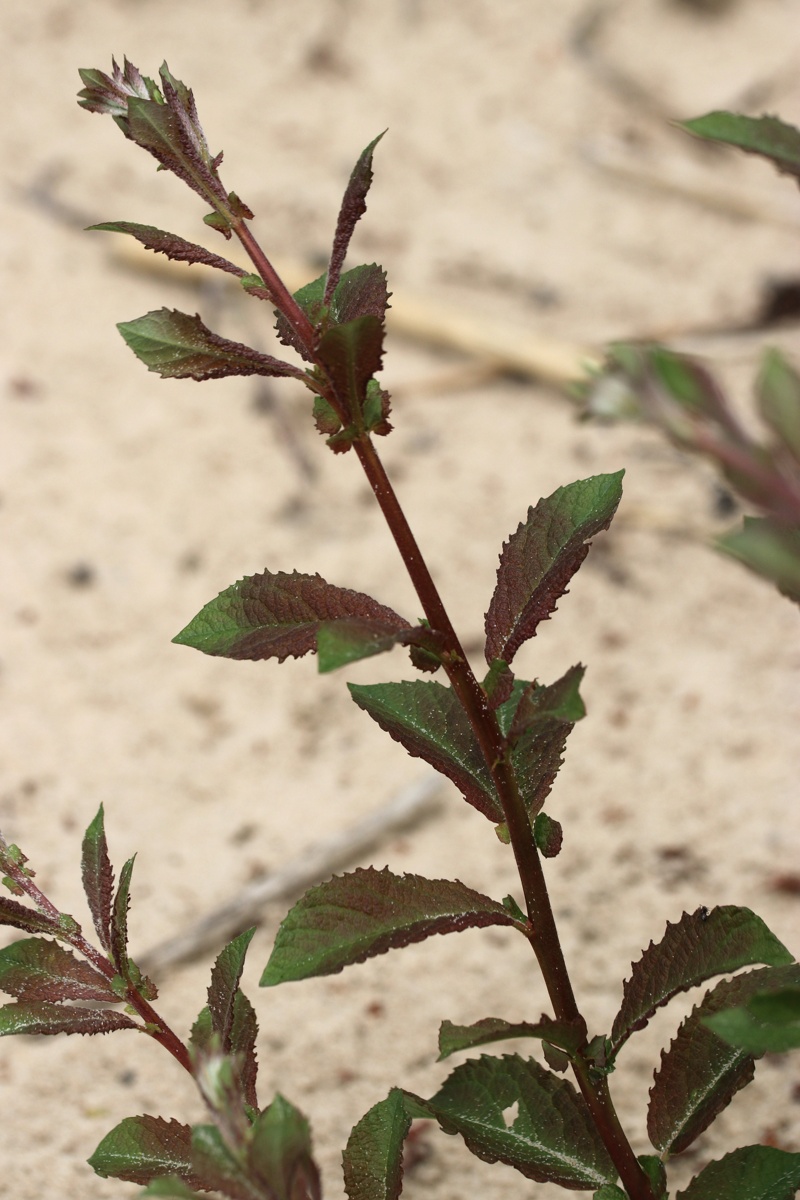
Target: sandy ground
{"x":127,"y":503}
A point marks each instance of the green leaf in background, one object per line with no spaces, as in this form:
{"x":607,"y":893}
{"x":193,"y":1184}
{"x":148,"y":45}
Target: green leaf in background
{"x":38,"y":969}
{"x":749,"y":1173}
{"x":702,"y":944}
{"x":770,"y":549}
{"x":373,"y":1156}
{"x":768,"y":1024}
{"x":700,"y":1073}
{"x":538,"y":561}
{"x":551,"y":1139}
{"x":43,"y":1017}
{"x":452,"y":1038}
{"x":178,"y":346}
{"x":428,"y":720}
{"x":767,"y":136}
{"x":141,"y":1148}
{"x":280,"y":1152}
{"x":778,"y":392}
{"x":354,"y":917}
{"x":98,"y":878}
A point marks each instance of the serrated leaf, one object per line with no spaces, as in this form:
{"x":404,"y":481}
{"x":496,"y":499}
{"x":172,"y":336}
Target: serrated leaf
{"x":749,"y":1173}
{"x":700,"y":1073}
{"x":141,"y":1148}
{"x":119,"y":920}
{"x":277,"y":615}
{"x":98,"y":877}
{"x":351,"y":354}
{"x":778,"y":391}
{"x":702,"y":944}
{"x":767,"y":136}
{"x":43,"y":1017}
{"x":552,"y":1139}
{"x":244,"y":1032}
{"x":360,"y":292}
{"x":216,"y":1166}
{"x":427,"y":719}
{"x":354,"y":205}
{"x":37,"y":969}
{"x":354,"y":917}
{"x":178,"y":346}
{"x":452,"y":1038}
{"x":169,"y":244}
{"x":770,"y":549}
{"x":373,"y":1156}
{"x":768,"y":1024}
{"x":111,"y":93}
{"x":224,"y":987}
{"x":19,"y":916}
{"x":538,"y":561}
{"x":280,"y":1152}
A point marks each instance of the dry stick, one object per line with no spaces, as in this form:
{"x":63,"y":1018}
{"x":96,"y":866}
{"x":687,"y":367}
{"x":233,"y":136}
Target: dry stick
{"x":409,"y":807}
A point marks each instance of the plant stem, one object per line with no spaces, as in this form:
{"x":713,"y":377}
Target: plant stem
{"x":282,"y":297}
{"x":543,"y":934}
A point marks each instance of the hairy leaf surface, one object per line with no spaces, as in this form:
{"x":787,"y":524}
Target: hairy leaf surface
{"x":538,"y":561}
{"x":38,"y":969}
{"x":354,"y":205}
{"x":280,"y":1152}
{"x":373,"y":1156}
{"x":277,"y":615}
{"x":19,"y":916}
{"x":141,"y":1148}
{"x":178,"y":346}
{"x":452,"y":1037}
{"x":354,"y":917}
{"x":224,"y":987}
{"x":43,"y":1017}
{"x":749,"y":1173}
{"x":552,"y":1138}
{"x":119,"y":920}
{"x":427,"y":719}
{"x":767,"y":136}
{"x":170,"y":244}
{"x":702,"y":944}
{"x":98,"y":878}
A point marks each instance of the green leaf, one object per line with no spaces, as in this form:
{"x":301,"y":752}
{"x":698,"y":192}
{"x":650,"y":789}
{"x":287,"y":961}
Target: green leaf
{"x":767,"y":136}
{"x":768,"y":1024}
{"x":610,"y":1191}
{"x":172,"y":1187}
{"x":177,"y":346}
{"x":427,"y":719}
{"x":351,"y":354}
{"x":43,"y":1017}
{"x":778,"y":391}
{"x":552,"y":1139}
{"x":98,"y":877}
{"x":566,"y":1036}
{"x":693,"y":950}
{"x":280,"y":1152}
{"x":538,"y":561}
{"x":548,"y":835}
{"x":749,"y":1173}
{"x":19,"y":916}
{"x":700,"y":1073}
{"x":354,"y":917}
{"x":141,"y":1148}
{"x":37,"y":969}
{"x":169,"y":244}
{"x":373,"y":1156}
{"x":354,"y":205}
{"x":275,"y":615}
{"x":770,"y":549}
{"x":224,"y":987}
{"x":216,"y":1165}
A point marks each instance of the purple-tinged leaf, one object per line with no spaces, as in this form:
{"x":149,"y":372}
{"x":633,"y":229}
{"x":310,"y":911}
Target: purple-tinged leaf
{"x":552,"y":1138}
{"x":42,"y":1017}
{"x":178,"y":346}
{"x":700,"y":1073}
{"x":19,"y":916}
{"x":354,"y":917}
{"x":216,"y":1165}
{"x":119,"y":920}
{"x":243,"y":1036}
{"x":354,"y":205}
{"x":310,"y":299}
{"x":548,"y":835}
{"x":98,"y":878}
{"x":361,"y":292}
{"x":140,"y":1149}
{"x":231,"y":1015}
{"x":345,"y":641}
{"x":778,"y":391}
{"x":373,"y":1156}
{"x":567,"y":1036}
{"x":749,"y":1173}
{"x":702,"y":944}
{"x":767,"y":136}
{"x":281,"y":614}
{"x":111,"y":93}
{"x":280,"y":1153}
{"x":768,"y":1024}
{"x":499,"y":683}
{"x":37,"y":969}
{"x":538,"y":561}
{"x":428,"y":720}
{"x":170,"y":244}
{"x":351,"y":354}
{"x":769,"y":548}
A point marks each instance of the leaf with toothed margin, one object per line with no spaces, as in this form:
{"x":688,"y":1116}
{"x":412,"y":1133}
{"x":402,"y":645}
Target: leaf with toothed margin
{"x":139,"y":1149}
{"x":373,"y":1156}
{"x":538,"y":561}
{"x":38,"y":969}
{"x":177,"y":346}
{"x":568,"y":1036}
{"x":354,"y":917}
{"x":98,"y":877}
{"x":19,"y":916}
{"x":282,"y":614}
{"x":351,"y":355}
{"x":119,"y":920}
{"x":428,"y":719}
{"x":44,"y":1017}
{"x":360,"y":292}
{"x":700,"y":1073}
{"x":552,"y":1139}
{"x":354,"y":205}
{"x":702,"y":944}
{"x":766,"y":136}
{"x":749,"y":1173}
{"x":230,"y":1015}
{"x":170,"y":244}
